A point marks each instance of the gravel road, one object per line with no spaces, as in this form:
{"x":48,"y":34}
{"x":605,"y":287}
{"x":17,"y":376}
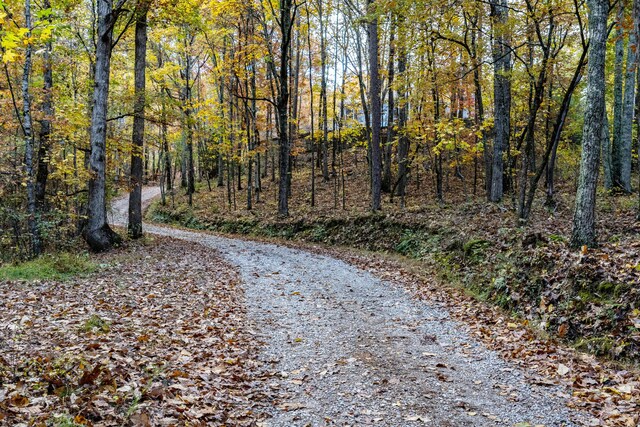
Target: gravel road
{"x":352,"y":350}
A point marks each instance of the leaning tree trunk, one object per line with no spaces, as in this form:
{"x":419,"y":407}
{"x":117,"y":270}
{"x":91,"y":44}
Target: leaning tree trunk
{"x":376,"y":109}
{"x":502,"y":96}
{"x":135,"y":196}
{"x":584,"y":232}
{"x":97,"y":233}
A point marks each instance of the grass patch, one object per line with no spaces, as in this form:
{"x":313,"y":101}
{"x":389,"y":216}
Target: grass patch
{"x":60,"y":266}
{"x":95,"y":324}
{"x":64,"y":420}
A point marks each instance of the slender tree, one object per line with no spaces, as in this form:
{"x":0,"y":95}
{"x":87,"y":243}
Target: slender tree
{"x":287,"y":14}
{"x":29,"y":141}
{"x":137,"y":139}
{"x":403,"y":115}
{"x":616,"y":149}
{"x":501,"y":94}
{"x":584,"y":232}
{"x":623,"y":179}
{"x":376,"y":106}
{"x":42,"y":174}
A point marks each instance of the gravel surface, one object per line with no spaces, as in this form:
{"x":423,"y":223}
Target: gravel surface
{"x":352,"y":350}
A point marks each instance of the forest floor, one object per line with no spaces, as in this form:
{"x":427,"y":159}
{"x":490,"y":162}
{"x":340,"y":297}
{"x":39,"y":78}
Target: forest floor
{"x":149,"y":339}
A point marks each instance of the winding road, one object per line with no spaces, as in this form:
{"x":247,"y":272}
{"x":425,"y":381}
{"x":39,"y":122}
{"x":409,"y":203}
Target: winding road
{"x":352,"y":350}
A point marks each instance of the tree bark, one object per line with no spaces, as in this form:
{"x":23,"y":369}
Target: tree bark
{"x":98,"y":234}
{"x":626,"y":131}
{"x":617,"y":151}
{"x":403,"y":113}
{"x":188,"y":118}
{"x":323,"y":94}
{"x":27,"y":123}
{"x":386,"y":173}
{"x":502,"y":96}
{"x":42,"y":174}
{"x":584,"y":232}
{"x":282,"y":106}
{"x":137,"y":138}
{"x":376,"y":107}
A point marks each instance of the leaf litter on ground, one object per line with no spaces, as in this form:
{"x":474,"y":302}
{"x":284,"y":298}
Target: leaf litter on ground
{"x":159,"y":337}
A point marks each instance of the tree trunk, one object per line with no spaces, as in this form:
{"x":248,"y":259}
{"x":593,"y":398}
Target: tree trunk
{"x":323,"y":94}
{"x":285,"y":24}
{"x":311,"y":115}
{"x":98,"y":234}
{"x":376,"y":108}
{"x":502,"y":96}
{"x":617,"y":151}
{"x":45,"y":124}
{"x":584,"y":232}
{"x":607,"y":167}
{"x":137,"y":138}
{"x":188,"y":113}
{"x":626,"y":131}
{"x":403,"y":113}
{"x":386,"y":173}
{"x":636,"y":24}
{"x":27,"y":123}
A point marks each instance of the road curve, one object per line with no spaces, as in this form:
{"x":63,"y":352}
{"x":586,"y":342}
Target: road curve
{"x":352,"y":350}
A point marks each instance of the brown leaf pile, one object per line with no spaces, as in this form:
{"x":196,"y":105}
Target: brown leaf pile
{"x":158,"y":337}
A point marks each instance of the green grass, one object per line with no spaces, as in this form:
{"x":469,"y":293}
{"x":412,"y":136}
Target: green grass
{"x":64,"y":420}
{"x":95,"y":324}
{"x":60,"y":266}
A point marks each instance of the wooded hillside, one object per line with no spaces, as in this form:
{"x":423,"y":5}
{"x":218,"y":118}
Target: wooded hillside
{"x":499,"y":97}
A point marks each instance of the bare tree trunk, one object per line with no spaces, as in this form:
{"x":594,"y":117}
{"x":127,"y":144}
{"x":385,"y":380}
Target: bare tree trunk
{"x":636,"y":15}
{"x":188,"y":113}
{"x":137,"y":138}
{"x":285,"y":24}
{"x":618,"y":84}
{"x":376,"y":109}
{"x":98,"y":234}
{"x":386,"y":173}
{"x":403,"y":142}
{"x":584,"y":232}
{"x":45,"y":124}
{"x":27,"y":124}
{"x":323,"y":93}
{"x":626,"y":131}
{"x":502,"y":95}
{"x":311,"y":115}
